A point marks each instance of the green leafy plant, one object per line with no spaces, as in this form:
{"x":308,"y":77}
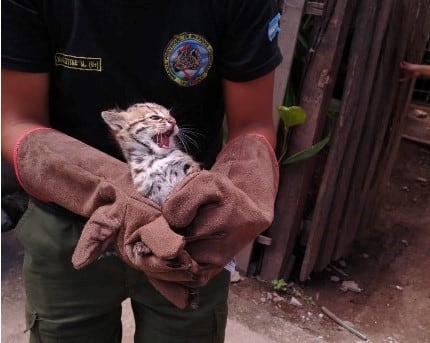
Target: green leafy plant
{"x":292,"y":116}
{"x":308,"y":153}
{"x":279,"y":285}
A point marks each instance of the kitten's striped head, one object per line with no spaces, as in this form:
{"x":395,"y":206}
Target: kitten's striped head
{"x":147,"y":124}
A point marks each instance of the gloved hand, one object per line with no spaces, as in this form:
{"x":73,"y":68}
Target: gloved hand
{"x":54,"y":167}
{"x":222,"y":210}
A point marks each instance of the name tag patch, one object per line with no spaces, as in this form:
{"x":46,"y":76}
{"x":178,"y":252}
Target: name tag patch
{"x":78,"y":62}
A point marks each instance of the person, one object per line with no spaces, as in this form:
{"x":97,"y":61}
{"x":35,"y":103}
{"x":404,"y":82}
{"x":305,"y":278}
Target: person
{"x":415,"y":70}
{"x":63,"y":63}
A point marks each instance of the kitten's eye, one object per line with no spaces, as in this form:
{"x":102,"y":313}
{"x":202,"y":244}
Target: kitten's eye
{"x":155,"y":117}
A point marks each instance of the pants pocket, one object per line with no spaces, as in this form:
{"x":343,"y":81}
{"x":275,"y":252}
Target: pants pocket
{"x":30,"y":320}
{"x":23,"y":221}
{"x":47,"y":236}
{"x":64,"y":304}
{"x":101,"y":329}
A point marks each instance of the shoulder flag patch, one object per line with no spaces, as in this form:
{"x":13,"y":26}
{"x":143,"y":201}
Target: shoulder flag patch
{"x":274,"y":27}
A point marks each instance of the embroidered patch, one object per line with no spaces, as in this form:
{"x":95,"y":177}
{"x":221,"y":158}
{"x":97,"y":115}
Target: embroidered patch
{"x":274,"y":27}
{"x":77,"y":62}
{"x":188,"y":58}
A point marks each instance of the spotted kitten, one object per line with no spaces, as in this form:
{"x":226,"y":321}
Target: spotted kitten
{"x":146,"y":133}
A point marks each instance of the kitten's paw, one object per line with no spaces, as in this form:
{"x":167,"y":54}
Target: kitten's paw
{"x":190,"y":168}
{"x":141,"y":249}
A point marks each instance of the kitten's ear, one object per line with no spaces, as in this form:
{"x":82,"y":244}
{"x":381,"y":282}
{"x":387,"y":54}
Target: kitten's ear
{"x":114,"y":119}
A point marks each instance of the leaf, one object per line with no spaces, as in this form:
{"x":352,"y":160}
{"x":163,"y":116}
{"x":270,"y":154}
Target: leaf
{"x":312,"y":151}
{"x":292,"y":116}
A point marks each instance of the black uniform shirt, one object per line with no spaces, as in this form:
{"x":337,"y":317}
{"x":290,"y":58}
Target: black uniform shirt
{"x":114,"y":53}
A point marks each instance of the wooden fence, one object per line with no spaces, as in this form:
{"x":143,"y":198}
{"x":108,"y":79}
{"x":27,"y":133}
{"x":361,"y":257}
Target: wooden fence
{"x":324,"y":201}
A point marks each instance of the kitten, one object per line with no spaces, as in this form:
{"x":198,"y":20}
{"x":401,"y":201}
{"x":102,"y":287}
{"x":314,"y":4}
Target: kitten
{"x":146,"y":133}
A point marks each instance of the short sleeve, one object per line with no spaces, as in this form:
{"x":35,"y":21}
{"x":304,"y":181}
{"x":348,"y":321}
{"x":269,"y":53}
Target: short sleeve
{"x":250,"y":47}
{"x":25,"y":43}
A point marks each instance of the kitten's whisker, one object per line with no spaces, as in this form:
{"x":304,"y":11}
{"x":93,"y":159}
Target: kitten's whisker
{"x":192,"y":134}
{"x":192,"y":131}
{"x":186,"y":138}
{"x":183,"y":143}
{"x":190,"y":142}
{"x":193,"y":142}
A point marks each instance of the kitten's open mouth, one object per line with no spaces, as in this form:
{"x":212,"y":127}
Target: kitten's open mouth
{"x":163,"y":139}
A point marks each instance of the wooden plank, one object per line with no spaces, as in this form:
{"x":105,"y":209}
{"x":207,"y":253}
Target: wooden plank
{"x":380,"y":115}
{"x":345,"y":194}
{"x":292,"y":11}
{"x":314,"y":8}
{"x":390,"y":114}
{"x":337,"y":161}
{"x":243,"y":258}
{"x":290,"y":25}
{"x":296,"y":178}
{"x":415,"y":139}
{"x":415,"y":40}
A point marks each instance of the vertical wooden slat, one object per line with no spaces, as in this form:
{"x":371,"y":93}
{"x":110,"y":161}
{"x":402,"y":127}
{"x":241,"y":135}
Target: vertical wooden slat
{"x":380,"y":110}
{"x":296,"y":178}
{"x":243,"y":258}
{"x":346,"y":182}
{"x":416,"y":26}
{"x":314,"y":8}
{"x":290,"y":24}
{"x":335,"y":165}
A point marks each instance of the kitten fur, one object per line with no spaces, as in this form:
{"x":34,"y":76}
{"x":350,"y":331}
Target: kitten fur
{"x":146,"y":133}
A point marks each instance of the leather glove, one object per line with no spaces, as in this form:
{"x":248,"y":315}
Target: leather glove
{"x":54,"y":167}
{"x":222,"y":210}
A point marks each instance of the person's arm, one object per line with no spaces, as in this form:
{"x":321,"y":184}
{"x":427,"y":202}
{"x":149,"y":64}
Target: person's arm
{"x":416,"y":70}
{"x":59,"y":169}
{"x":24,"y":106}
{"x":249,"y":107}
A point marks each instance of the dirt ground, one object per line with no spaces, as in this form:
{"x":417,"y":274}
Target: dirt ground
{"x":389,"y":263}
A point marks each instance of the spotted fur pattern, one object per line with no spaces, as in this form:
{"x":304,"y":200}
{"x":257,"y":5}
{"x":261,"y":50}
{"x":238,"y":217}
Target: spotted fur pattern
{"x":146,"y":133}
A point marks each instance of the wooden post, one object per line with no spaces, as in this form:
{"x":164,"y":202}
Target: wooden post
{"x":290,"y":25}
{"x":359,"y":103}
{"x":384,"y":94}
{"x":335,"y":164}
{"x":295,"y":179}
{"x":411,"y":38}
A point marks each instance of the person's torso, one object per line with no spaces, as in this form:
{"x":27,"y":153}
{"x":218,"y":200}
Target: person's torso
{"x":112,"y":53}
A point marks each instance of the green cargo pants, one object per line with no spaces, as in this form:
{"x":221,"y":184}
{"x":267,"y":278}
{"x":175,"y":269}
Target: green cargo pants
{"x":65,"y":305}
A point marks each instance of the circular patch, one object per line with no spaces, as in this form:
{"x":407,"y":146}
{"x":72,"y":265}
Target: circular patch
{"x":188,"y":58}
